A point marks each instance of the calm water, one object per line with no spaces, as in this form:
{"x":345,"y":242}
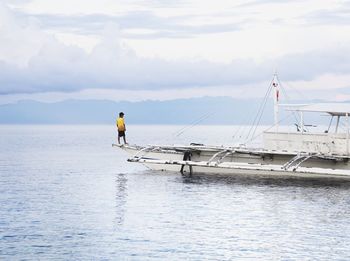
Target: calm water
{"x":66,"y":194}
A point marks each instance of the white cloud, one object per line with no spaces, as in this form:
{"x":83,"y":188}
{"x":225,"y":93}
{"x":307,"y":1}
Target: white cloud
{"x":20,"y":38}
{"x":187,"y":50}
{"x":46,"y":64}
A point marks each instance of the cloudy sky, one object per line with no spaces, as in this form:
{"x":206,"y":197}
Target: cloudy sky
{"x":161,"y":49}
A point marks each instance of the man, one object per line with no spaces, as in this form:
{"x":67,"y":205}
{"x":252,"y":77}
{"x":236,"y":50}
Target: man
{"x":121,"y":127}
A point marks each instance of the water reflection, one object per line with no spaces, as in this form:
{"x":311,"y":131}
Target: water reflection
{"x":278,"y":181}
{"x":121,"y":183}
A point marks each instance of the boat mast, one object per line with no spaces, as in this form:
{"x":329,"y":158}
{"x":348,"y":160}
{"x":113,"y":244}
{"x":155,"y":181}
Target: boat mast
{"x":276,"y":99}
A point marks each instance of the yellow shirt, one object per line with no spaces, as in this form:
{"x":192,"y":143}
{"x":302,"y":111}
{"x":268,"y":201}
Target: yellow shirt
{"x":120,"y":124}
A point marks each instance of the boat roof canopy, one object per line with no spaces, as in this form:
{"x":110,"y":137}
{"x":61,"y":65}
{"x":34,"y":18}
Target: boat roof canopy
{"x":334,"y":109}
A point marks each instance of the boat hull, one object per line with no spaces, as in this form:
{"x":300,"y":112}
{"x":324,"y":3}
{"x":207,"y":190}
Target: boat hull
{"x":252,"y":170}
{"x":238,"y":163}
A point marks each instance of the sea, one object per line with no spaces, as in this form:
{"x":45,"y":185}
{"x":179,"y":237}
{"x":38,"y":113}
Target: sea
{"x":67,"y":194}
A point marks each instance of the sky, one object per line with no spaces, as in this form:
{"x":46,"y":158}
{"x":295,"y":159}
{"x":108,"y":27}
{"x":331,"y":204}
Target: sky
{"x":161,"y":50}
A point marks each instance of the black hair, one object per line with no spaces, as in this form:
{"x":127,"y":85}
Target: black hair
{"x":121,"y":114}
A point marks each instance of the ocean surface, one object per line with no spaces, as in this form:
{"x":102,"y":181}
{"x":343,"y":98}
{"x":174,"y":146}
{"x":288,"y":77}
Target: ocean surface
{"x":67,"y":194}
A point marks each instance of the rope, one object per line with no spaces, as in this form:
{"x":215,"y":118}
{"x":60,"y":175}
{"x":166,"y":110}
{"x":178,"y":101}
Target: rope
{"x":261,"y":109}
{"x":296,"y":115}
{"x":302,"y":96}
{"x":242,"y":126}
{"x":194,"y":123}
{"x":257,"y":124}
{"x":253,"y":138}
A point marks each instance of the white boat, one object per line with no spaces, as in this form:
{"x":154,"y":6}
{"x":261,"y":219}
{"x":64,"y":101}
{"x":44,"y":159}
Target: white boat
{"x":299,"y":153}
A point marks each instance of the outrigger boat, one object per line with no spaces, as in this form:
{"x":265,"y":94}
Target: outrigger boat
{"x":298,"y":153}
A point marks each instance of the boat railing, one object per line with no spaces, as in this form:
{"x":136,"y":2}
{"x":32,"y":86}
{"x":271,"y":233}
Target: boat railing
{"x":223,"y":154}
{"x":324,"y":134}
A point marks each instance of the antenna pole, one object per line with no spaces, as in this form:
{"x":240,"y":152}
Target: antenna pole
{"x":276,"y":100}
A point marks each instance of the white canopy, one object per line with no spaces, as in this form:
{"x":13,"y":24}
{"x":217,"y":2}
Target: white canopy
{"x":334,"y":109}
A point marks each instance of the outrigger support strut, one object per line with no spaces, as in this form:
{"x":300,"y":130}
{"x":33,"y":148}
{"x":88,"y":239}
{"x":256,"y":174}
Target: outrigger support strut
{"x":297,"y":161}
{"x":223,"y":154}
{"x":144,"y":150}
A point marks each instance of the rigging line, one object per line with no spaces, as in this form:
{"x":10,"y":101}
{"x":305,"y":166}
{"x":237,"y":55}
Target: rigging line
{"x":285,"y":93}
{"x":206,"y":116}
{"x":260,"y":108}
{"x":191,"y":126}
{"x":240,"y":132}
{"x":245,"y":123}
{"x":263,"y":103}
{"x":241,"y":128}
{"x":257,"y":124}
{"x":192,"y":122}
{"x":301,"y":95}
{"x":237,"y":131}
{"x":253,"y":138}
{"x":296,"y":116}
{"x":195,"y":122}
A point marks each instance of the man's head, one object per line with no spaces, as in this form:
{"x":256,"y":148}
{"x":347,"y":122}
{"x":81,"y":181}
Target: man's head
{"x":121,"y":114}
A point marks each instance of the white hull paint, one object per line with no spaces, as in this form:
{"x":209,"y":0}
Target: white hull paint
{"x":253,"y":170}
{"x":253,"y":165}
{"x":241,"y":170}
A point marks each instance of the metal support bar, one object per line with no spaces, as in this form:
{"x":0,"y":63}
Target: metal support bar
{"x":330,"y":124}
{"x":302,"y":121}
{"x":297,"y":161}
{"x":347,"y":133}
{"x":145,"y":149}
{"x":301,"y":161}
{"x":215,"y":155}
{"x":336,"y":127}
{"x":222,"y":158}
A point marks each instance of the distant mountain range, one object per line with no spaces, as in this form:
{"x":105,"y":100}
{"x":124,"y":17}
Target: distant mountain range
{"x":207,"y":110}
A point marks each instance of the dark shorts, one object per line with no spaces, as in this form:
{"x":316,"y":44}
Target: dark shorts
{"x":121,"y":133}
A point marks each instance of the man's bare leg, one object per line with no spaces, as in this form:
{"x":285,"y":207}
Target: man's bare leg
{"x":124,"y":140}
{"x":118,"y":140}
